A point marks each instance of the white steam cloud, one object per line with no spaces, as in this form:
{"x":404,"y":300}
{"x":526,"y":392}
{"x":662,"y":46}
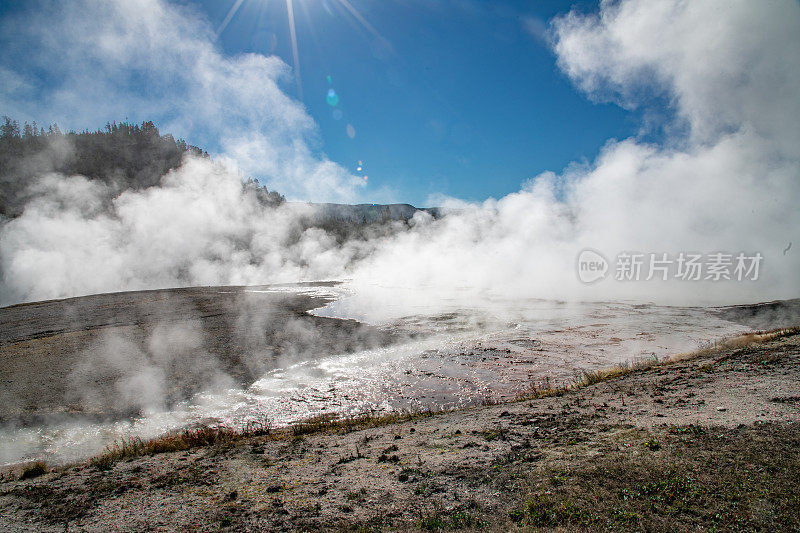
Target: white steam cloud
{"x":199,"y":227}
{"x":140,"y":377}
{"x":152,"y":60}
{"x":725,"y":178}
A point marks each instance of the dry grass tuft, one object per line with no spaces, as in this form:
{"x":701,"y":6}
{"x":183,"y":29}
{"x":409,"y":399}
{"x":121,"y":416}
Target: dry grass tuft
{"x":737,"y":342}
{"x":590,"y":377}
{"x":222,"y":435}
{"x":33,"y":469}
{"x":346,"y":424}
{"x":177,"y":441}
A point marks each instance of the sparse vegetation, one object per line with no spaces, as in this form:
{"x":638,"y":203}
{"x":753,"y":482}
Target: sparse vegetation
{"x":557,"y":467}
{"x":34,"y":469}
{"x":357,"y":495}
{"x":652,"y":444}
{"x":491,"y":435}
{"x":590,"y":377}
{"x":177,"y":441}
{"x":694,"y":485}
{"x":546,"y":510}
{"x":452,"y":521}
{"x":346,"y":424}
{"x":219,"y":435}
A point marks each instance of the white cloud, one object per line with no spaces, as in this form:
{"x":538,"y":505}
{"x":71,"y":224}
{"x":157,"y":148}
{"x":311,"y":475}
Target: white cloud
{"x":732,"y":184}
{"x":727,"y":65}
{"x":150,"y":60}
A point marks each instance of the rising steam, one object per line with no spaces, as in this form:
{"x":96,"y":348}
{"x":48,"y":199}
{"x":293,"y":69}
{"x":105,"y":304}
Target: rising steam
{"x":724,"y":177}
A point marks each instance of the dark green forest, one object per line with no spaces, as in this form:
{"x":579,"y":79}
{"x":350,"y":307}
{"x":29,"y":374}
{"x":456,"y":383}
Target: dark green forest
{"x":123,"y":156}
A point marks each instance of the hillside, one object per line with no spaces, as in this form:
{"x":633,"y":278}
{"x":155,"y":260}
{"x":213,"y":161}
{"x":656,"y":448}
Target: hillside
{"x":135,"y":156}
{"x":122,"y":156}
{"x":372,"y":213}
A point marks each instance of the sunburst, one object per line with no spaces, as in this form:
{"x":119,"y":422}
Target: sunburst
{"x":348,"y":7}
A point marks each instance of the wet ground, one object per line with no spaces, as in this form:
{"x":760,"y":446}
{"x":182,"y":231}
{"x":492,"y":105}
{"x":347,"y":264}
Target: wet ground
{"x":78,"y":356}
{"x":703,"y":443}
{"x":81,"y":373}
{"x":76,"y":371}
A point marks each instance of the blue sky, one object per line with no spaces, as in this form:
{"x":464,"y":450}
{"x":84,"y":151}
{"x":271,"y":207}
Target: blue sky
{"x":464,"y":99}
{"x":461,"y":98}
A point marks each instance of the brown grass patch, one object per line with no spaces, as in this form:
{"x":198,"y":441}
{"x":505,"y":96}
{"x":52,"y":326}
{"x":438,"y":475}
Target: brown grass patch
{"x":222,"y":435}
{"x":176,"y":441}
{"x":737,"y":342}
{"x":332,"y":422}
{"x":33,"y":469}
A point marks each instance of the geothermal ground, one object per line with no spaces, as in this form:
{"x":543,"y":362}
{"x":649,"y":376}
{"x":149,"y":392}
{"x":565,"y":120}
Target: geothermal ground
{"x":85,"y":373}
{"x":50,"y":351}
{"x":81,"y":373}
{"x":710,"y":439}
{"x":707,"y":442}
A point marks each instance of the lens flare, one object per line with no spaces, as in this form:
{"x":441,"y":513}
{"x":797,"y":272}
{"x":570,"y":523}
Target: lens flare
{"x":380,"y":41}
{"x":360,"y":18}
{"x":228,"y":17}
{"x":332,"y":98}
{"x":295,"y":55}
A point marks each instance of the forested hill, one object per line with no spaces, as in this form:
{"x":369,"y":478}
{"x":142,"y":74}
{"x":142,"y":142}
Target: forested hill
{"x":124,"y":156}
{"x":135,"y":156}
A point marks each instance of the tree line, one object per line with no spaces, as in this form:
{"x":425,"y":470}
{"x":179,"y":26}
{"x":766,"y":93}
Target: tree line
{"x":122,"y":155}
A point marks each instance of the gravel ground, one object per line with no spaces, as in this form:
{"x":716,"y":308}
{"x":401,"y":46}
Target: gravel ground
{"x":708,"y":442}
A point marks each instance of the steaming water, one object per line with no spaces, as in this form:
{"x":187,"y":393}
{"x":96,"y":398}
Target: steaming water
{"x":464,"y":350}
